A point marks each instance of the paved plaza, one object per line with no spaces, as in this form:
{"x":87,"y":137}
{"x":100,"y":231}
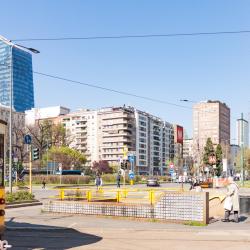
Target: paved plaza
{"x":30,"y":228}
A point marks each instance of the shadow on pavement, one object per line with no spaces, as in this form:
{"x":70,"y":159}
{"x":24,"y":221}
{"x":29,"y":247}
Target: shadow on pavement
{"x":33,"y":236}
{"x":242,"y":218}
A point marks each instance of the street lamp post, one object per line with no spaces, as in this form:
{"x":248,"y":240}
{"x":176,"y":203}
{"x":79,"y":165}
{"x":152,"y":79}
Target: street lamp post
{"x":11,"y":106}
{"x":10,"y":121}
{"x":242,"y":152}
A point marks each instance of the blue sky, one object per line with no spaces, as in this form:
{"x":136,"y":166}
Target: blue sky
{"x":196,"y":68}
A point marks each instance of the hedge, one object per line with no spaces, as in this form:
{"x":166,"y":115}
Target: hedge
{"x":55,"y":179}
{"x":19,"y":196}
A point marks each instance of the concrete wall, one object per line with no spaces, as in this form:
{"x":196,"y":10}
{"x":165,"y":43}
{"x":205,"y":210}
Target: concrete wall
{"x":173,"y":206}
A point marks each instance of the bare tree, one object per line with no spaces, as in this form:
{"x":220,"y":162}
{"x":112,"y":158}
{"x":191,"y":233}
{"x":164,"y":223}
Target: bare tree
{"x":45,"y":134}
{"x":20,"y":149}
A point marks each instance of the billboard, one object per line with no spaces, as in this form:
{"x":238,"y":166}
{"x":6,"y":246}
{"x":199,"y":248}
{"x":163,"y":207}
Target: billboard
{"x":179,"y":134}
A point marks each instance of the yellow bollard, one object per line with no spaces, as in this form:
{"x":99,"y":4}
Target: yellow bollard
{"x":152,"y":197}
{"x":89,"y":195}
{"x":125,"y":193}
{"x":62,"y":194}
{"x":118,"y":196}
{"x":131,"y":182}
{"x":100,"y":190}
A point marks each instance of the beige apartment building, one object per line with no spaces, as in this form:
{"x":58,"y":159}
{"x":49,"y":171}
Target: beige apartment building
{"x":116,"y":133}
{"x":82,"y":132}
{"x":211,"y":119}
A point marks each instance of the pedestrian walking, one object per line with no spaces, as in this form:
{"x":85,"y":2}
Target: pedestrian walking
{"x":232,"y":201}
{"x":118,"y":180}
{"x":98,"y":182}
{"x":44,"y":184}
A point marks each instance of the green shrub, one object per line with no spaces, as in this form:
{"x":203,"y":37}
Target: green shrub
{"x":165,"y":178}
{"x":195,"y":224}
{"x":19,"y":196}
{"x":55,"y":179}
{"x":108,"y":178}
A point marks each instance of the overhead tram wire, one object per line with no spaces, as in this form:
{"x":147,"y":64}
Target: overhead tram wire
{"x":215,"y":33}
{"x":111,"y":90}
{"x":118,"y":91}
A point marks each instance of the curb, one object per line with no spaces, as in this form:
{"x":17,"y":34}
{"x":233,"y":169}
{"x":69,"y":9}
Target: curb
{"x":31,"y":204}
{"x":45,"y":229}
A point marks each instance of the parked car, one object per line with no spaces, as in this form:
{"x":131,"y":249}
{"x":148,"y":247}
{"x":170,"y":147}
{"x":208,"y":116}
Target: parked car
{"x":152,"y":182}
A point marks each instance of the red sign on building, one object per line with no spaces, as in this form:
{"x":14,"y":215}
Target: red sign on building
{"x":179,"y":134}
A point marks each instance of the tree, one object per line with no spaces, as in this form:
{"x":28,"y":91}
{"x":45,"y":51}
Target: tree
{"x":45,"y":134}
{"x":219,"y":155}
{"x":102,"y":167}
{"x":208,"y":151}
{"x":68,"y":157}
{"x":246,"y":160}
{"x":19,"y":148}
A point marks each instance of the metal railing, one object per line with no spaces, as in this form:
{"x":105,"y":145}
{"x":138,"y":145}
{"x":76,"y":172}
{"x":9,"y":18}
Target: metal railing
{"x":122,"y":195}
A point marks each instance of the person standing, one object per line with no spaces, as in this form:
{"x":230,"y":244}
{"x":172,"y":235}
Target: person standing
{"x":233,"y":200}
{"x":44,"y":184}
{"x":98,"y":182}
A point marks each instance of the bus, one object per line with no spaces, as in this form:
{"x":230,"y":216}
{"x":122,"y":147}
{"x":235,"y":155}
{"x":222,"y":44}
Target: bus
{"x":69,"y":172}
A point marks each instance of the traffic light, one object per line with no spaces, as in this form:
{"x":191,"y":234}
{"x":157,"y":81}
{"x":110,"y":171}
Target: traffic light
{"x":2,"y":210}
{"x":35,"y":154}
{"x":124,"y":165}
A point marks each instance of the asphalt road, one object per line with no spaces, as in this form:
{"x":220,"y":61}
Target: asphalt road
{"x":29,"y":228}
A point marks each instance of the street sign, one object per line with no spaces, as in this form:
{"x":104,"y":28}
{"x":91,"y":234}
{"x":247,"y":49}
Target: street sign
{"x":131,"y":158}
{"x":27,"y":139}
{"x":131,"y":175}
{"x":171,"y":165}
{"x":171,"y":170}
{"x":212,"y":159}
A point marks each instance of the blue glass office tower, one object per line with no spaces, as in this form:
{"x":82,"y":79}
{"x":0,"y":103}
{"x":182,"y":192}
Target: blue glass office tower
{"x":23,"y":90}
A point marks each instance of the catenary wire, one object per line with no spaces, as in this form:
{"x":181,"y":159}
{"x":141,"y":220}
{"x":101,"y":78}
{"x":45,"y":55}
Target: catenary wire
{"x":118,"y":92}
{"x":215,"y":33}
{"x":111,"y":90}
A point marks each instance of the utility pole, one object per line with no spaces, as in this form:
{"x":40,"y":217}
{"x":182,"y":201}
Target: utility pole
{"x":242,"y":152}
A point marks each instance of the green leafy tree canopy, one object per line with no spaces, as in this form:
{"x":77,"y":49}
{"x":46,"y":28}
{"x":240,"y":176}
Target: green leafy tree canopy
{"x":68,"y":157}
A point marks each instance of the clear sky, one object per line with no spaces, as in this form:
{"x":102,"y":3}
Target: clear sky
{"x":195,"y":68}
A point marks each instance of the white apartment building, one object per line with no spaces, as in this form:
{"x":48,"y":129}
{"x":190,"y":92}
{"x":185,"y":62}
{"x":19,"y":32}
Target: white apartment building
{"x":242,"y":132}
{"x":153,"y":143}
{"x":82,"y":129}
{"x":187,"y":148}
{"x":106,"y":133}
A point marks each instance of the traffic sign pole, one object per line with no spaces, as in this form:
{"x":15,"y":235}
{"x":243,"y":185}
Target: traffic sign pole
{"x":30,"y":168}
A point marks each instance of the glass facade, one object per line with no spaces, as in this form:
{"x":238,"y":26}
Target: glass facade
{"x":23,"y":90}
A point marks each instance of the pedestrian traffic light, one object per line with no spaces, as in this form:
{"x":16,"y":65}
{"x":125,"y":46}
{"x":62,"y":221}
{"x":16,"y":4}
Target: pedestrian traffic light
{"x":2,"y":210}
{"x":35,"y":154}
{"x":124,"y":165}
